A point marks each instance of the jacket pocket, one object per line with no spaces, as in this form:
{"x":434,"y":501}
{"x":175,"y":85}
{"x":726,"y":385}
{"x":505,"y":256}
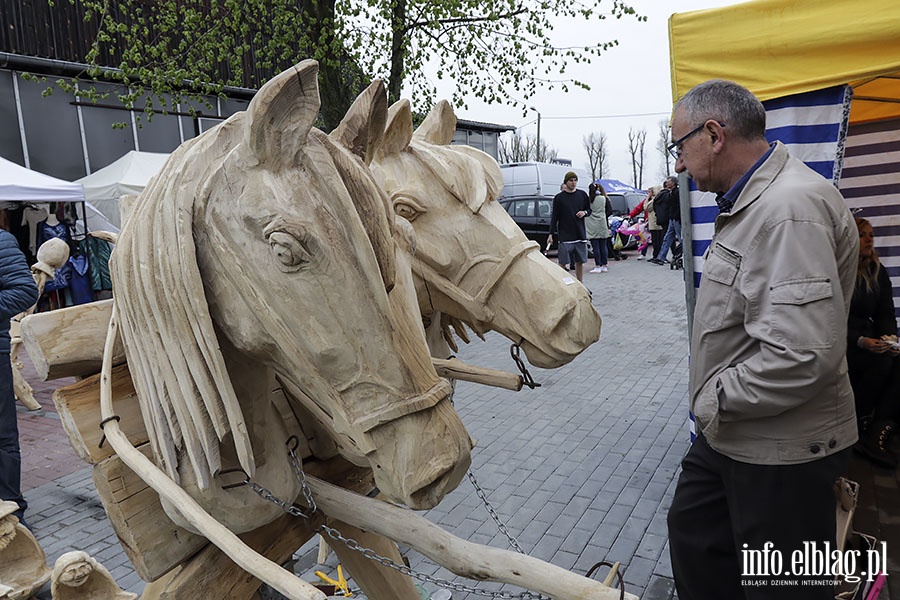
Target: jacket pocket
{"x":804,"y":314}
{"x":720,"y":271}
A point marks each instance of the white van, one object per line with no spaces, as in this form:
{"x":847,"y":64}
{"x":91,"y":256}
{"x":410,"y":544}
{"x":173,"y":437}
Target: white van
{"x":538,"y":179}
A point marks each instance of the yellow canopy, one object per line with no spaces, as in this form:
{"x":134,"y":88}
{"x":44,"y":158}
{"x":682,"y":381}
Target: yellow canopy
{"x":781,"y":47}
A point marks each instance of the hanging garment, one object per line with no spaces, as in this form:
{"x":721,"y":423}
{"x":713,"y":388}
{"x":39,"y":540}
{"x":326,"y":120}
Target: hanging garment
{"x":80,"y":283}
{"x":98,"y":253}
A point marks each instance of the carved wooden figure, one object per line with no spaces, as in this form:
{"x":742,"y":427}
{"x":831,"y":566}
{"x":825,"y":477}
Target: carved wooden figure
{"x":23,"y":564}
{"x":264,"y":285}
{"x":78,"y":576}
{"x":472,"y":263}
{"x":51,"y":255}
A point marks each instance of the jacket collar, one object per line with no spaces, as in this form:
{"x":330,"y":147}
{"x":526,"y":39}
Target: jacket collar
{"x":761,"y":179}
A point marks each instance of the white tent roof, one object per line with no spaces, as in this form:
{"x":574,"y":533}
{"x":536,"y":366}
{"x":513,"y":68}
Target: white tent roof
{"x":128,"y":175}
{"x":18,"y":184}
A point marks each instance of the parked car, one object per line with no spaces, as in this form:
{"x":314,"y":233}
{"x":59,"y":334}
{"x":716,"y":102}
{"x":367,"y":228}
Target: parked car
{"x":624,"y":202}
{"x":532,"y":215}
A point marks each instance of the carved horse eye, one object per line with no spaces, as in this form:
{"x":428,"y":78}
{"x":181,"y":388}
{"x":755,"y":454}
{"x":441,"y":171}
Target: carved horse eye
{"x":289,"y":252}
{"x":408,"y":207}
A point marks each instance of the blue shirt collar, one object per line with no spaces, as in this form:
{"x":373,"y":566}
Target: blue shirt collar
{"x":726,"y":201}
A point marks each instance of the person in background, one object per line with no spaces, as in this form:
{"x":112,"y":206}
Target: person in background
{"x":597,"y":228}
{"x":768,"y":383}
{"x":570,"y":207}
{"x":646,"y":206}
{"x":873,"y":355}
{"x":671,"y":210}
{"x":18,"y":292}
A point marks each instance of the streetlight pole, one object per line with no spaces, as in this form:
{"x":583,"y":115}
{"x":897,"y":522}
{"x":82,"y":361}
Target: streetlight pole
{"x":537,"y":150}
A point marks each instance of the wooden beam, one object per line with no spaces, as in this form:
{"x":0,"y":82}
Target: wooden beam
{"x":153,"y":543}
{"x":466,"y":559}
{"x":78,"y":406}
{"x":69,"y":342}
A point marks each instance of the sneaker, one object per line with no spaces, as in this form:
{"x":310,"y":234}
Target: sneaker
{"x":596,"y":270}
{"x":603,"y":269}
{"x":640,"y":257}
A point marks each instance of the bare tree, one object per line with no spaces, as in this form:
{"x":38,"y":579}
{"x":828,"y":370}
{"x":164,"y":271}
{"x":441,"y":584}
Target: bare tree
{"x":665,"y":129}
{"x":636,"y":142}
{"x":595,"y":145}
{"x":517,"y":147}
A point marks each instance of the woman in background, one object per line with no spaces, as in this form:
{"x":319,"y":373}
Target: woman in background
{"x":597,"y":227}
{"x":873,"y":354}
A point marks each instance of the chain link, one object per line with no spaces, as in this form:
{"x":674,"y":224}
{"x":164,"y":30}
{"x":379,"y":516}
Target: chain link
{"x":527,"y":379}
{"x":354,"y":545}
{"x":513,"y":542}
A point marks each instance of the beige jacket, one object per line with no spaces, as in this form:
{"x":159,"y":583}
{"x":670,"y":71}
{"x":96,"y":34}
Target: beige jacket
{"x":768,"y":374}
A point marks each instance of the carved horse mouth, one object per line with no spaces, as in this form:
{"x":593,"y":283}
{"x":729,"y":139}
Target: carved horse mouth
{"x":408,"y":467}
{"x":550,"y":339}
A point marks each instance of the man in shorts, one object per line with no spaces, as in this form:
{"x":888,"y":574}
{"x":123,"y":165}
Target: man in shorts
{"x":570,"y":207}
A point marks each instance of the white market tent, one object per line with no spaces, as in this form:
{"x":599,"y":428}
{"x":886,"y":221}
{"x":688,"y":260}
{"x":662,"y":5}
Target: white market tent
{"x":19,"y":184}
{"x":127,"y":175}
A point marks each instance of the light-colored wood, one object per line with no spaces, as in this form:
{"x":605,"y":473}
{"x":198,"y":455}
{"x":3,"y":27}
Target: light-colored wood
{"x":51,"y":256}
{"x":78,"y":576}
{"x":69,"y":342}
{"x":456,"y":369}
{"x":78,"y":406}
{"x":324,"y":549}
{"x":211,"y":574}
{"x":385,"y":394}
{"x":234,"y":239}
{"x":153,"y":543}
{"x":472,"y":261}
{"x":474,"y":561}
{"x":377,"y":581}
{"x":23,"y":564}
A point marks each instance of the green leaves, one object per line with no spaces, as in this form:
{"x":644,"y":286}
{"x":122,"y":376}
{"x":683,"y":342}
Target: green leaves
{"x":496,"y":50}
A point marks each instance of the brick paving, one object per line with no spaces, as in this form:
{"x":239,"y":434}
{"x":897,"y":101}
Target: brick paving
{"x":581,"y":469}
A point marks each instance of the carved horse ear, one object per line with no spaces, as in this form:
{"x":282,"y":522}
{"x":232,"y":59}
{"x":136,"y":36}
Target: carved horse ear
{"x":398,"y":132}
{"x":282,"y":113}
{"x":439,"y":126}
{"x":362,"y":128}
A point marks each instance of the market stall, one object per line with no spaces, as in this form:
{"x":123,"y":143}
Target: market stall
{"x":35,"y":207}
{"x":829,"y":76}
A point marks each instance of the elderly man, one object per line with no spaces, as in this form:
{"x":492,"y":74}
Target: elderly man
{"x":768,"y":376}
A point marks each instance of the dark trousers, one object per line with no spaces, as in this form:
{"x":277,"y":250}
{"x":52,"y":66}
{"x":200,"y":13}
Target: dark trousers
{"x":601,"y":251}
{"x":876,"y":384}
{"x":10,"y":457}
{"x":656,"y":238}
{"x":721,"y":504}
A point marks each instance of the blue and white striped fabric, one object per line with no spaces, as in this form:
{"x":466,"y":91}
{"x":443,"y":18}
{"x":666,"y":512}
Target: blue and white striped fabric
{"x":870,"y":182}
{"x":814,"y":127}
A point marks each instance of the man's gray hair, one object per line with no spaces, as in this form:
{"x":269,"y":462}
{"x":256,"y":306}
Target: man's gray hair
{"x":726,"y":102}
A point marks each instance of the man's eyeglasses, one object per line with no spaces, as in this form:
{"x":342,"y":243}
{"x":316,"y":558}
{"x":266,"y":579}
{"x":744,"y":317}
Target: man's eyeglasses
{"x":675,"y":147}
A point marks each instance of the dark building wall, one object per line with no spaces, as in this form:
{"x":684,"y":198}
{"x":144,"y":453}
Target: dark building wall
{"x":68,"y":139}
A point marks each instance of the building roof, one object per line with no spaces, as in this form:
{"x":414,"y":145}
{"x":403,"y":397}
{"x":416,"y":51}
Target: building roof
{"x":482,"y":126}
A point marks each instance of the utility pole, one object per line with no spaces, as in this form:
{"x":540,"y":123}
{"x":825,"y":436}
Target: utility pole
{"x":537,"y":150}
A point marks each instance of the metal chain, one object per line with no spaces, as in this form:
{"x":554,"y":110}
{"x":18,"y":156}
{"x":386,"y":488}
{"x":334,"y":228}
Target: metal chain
{"x":527,"y":379}
{"x":336,"y":535}
{"x":513,"y":542}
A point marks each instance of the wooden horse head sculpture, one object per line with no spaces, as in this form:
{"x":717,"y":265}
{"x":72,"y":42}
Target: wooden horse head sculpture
{"x":472,"y":261}
{"x":263,"y":246}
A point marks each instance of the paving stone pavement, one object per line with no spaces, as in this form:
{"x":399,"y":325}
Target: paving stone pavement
{"x":581,"y":469}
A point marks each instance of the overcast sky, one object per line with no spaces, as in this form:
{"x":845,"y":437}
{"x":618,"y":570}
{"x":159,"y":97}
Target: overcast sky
{"x":630,"y":87}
